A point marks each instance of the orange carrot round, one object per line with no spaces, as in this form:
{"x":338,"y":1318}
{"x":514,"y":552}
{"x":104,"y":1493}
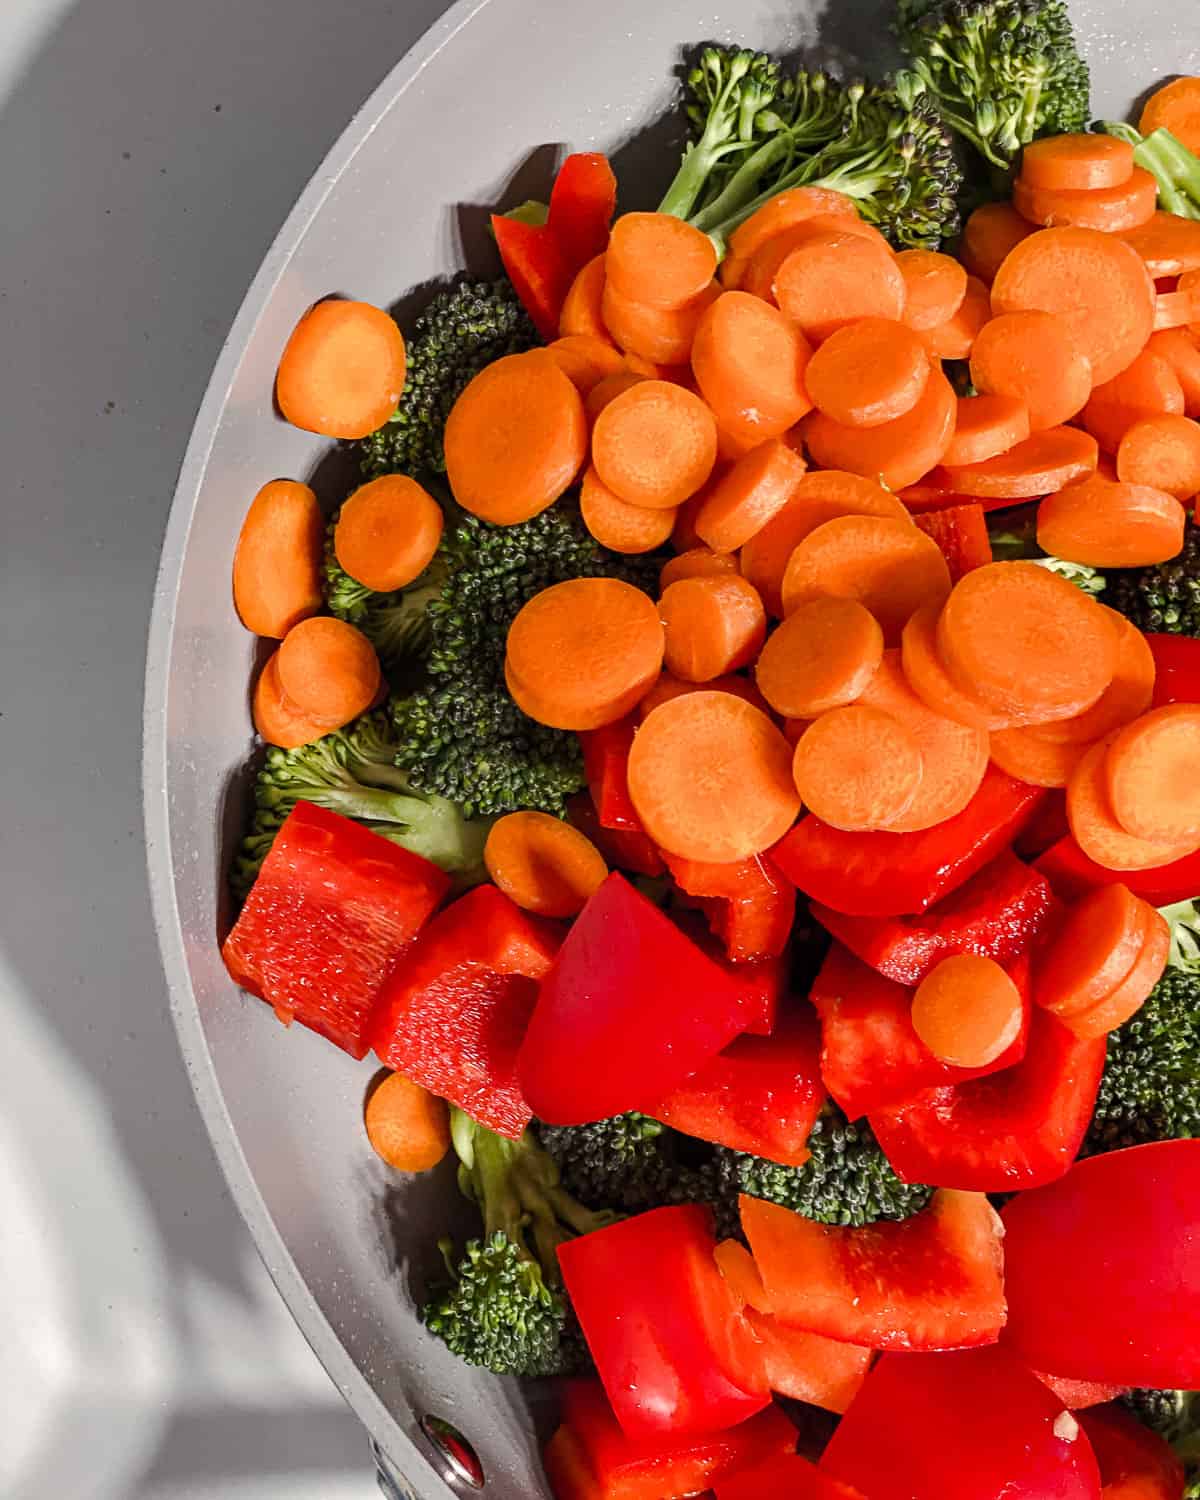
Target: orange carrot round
{"x":277,"y":564}
{"x":515,"y":439}
{"x":582,"y":653}
{"x":616,"y":524}
{"x":832,"y":279}
{"x":1105,"y":523}
{"x":659,"y":260}
{"x":1035,"y":357}
{"x":655,"y":444}
{"x":779,"y":214}
{"x":1131,"y":994}
{"x":1167,"y":244}
{"x":967,"y":1010}
{"x":868,"y":372}
{"x":277,"y":720}
{"x":407,"y":1126}
{"x":585,"y":359}
{"x":986,"y":426}
{"x":1095,"y":826}
{"x":1148,"y":388}
{"x":1175,"y":107}
{"x":712,"y":626}
{"x":1077,"y":162}
{"x":764,"y":265}
{"x":1025,"y":755}
{"x":696,"y":562}
{"x":1163,"y":452}
{"x":857,"y":768}
{"x":543,"y":864}
{"x":342,"y":371}
{"x":1098,"y":942}
{"x":387,"y":532}
{"x":749,"y":496}
{"x":581,"y":308}
{"x":1152,"y":774}
{"x":896,"y":453}
{"x":1128,"y":695}
{"x":608,"y":389}
{"x":821,"y":657}
{"x":934,"y":287}
{"x":1113,"y":210}
{"x":329,"y":670}
{"x":748,"y":358}
{"x":928,"y":678}
{"x":955,"y":338}
{"x":1045,"y":462}
{"x":710,"y":777}
{"x":990,"y":233}
{"x":663,"y":335}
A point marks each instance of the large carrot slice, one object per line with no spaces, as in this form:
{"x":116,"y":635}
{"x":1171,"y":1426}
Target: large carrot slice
{"x":955,"y":338}
{"x":1077,"y":162}
{"x":1179,"y":348}
{"x":543,"y":864}
{"x":1113,"y":210}
{"x":985,"y":427}
{"x":1152,"y":773}
{"x":663,"y":335}
{"x":1024,"y":754}
{"x":759,"y":276}
{"x":990,"y":233}
{"x":1035,"y":357}
{"x":1045,"y":462}
{"x":1168,"y":244}
{"x":857,"y":768}
{"x":586,"y":359}
{"x":616,"y":524}
{"x":276,"y":718}
{"x":934,"y":287}
{"x":889,"y":566}
{"x":832,"y":279}
{"x":749,"y":359}
{"x":277,"y":563}
{"x":328,"y":670}
{"x":1163,"y":452}
{"x":1148,"y":388}
{"x":749,"y":496}
{"x":342,"y":371}
{"x":968,"y":1011}
{"x":711,"y":778}
{"x":581,"y":312}
{"x":712,"y":626}
{"x":1106,"y":523}
{"x":1094,"y":948}
{"x":655,"y":444}
{"x":931,"y":682}
{"x":777,"y":215}
{"x":1094,"y":280}
{"x":1128,"y":695}
{"x":659,"y":259}
{"x":696,"y":562}
{"x":1134,"y":990}
{"x":821,"y":657}
{"x":869,"y":372}
{"x":387,"y":532}
{"x":1095,"y":826}
{"x":898,"y":453}
{"x":1175,"y":107}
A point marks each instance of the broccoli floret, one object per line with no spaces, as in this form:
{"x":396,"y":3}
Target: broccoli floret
{"x":1174,"y":1415}
{"x":1000,"y":72}
{"x":353,"y":771}
{"x":1168,"y":160}
{"x":504,"y":1307}
{"x":1164,"y":598}
{"x":464,"y":328}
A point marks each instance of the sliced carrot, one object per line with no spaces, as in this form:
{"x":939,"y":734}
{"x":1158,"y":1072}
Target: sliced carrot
{"x":985,"y":427}
{"x":896,"y":453}
{"x":407,"y":1126}
{"x":1045,"y":462}
{"x":277,"y":720}
{"x":1168,"y":244}
{"x":934,"y":287}
{"x":749,"y":496}
{"x":663,"y":335}
{"x":647,"y":367}
{"x":822,"y":656}
{"x":749,"y":360}
{"x":738,"y":1267}
{"x":684,"y":537}
{"x":1099,"y":940}
{"x":342,"y":371}
{"x":1092,"y":279}
{"x":515,"y":439}
{"x":759,"y":275}
{"x":967,"y":1010}
{"x":1176,"y":309}
{"x":607,"y":390}
{"x":543,"y":864}
{"x":583,"y":653}
{"x":668,"y":687}
{"x":988,"y":235}
{"x":387,"y":532}
{"x":696,"y":562}
{"x":1175,"y":107}
{"x":1035,"y":357}
{"x":616,"y":524}
{"x":778,"y":214}
{"x":1134,"y":990}
{"x":1127,"y":696}
{"x":869,"y":372}
{"x":585,"y":359}
{"x":712,"y":626}
{"x":1113,"y":210}
{"x":581,"y":309}
{"x":1153,"y":775}
{"x":1148,"y":388}
{"x":955,"y":338}
{"x":857,"y":768}
{"x":655,"y":444}
{"x":1095,"y":827}
{"x":328,"y":670}
{"x":711,"y":778}
{"x":931,"y":682}
{"x":277,"y":564}
{"x":1077,"y":162}
{"x":1106,"y":523}
{"x":819,"y":497}
{"x":658,"y":259}
{"x":1025,"y":755}
{"x":1026,"y":641}
{"x":832,"y":279}
{"x":1163,"y":452}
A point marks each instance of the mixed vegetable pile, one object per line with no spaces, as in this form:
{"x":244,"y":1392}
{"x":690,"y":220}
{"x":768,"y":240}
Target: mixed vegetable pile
{"x":735,"y":760}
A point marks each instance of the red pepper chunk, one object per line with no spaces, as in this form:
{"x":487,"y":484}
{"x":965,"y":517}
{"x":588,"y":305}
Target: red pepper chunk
{"x":763,"y":982}
{"x":1135,"y":1463}
{"x":806,"y":1367}
{"x":605,"y":764}
{"x":789,"y":1478}
{"x":961,"y":532}
{"x":452,"y":1016}
{"x":540,"y":274}
{"x":334,"y":908}
{"x":749,"y":905}
{"x":582,"y":203}
{"x":1176,"y":668}
{"x":1072,"y":874}
{"x":671,"y":1346}
{"x":622,"y":848}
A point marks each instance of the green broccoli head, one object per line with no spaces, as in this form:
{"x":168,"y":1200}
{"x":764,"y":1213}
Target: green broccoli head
{"x":1164,"y":598}
{"x":1175,"y":1416}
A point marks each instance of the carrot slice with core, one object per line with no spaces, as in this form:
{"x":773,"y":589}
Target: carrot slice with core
{"x":896,"y":453}
{"x":712,"y":626}
{"x":1113,"y":210}
{"x":869,"y":372}
{"x":1023,"y":754}
{"x":1099,"y":941}
{"x":934,"y":287}
{"x":342,"y":371}
{"x":955,"y":338}
{"x":857,"y":768}
{"x":659,"y":259}
{"x":1152,"y":773}
{"x":748,"y":358}
{"x":967,"y":1011}
{"x":1163,"y":452}
{"x":832,"y":279}
{"x":931,"y":682}
{"x":543,"y":864}
{"x":990,"y":233}
{"x":750,"y":496}
{"x":663,"y":335}
{"x":1095,"y":826}
{"x":1134,"y":990}
{"x":1035,"y":357}
{"x":387,"y":532}
{"x":821,"y":657}
{"x":1128,"y":695}
{"x":1148,"y":388}
{"x":780,"y":213}
{"x":1077,"y":162}
{"x":655,"y":444}
{"x":616,"y":524}
{"x":277,"y":564}
{"x":1105,"y":523}
{"x":986,"y":426}
{"x":696,"y":562}
{"x":1045,"y":462}
{"x":328,"y":670}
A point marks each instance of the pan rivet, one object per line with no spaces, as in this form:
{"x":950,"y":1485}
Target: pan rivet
{"x":461,"y":1461}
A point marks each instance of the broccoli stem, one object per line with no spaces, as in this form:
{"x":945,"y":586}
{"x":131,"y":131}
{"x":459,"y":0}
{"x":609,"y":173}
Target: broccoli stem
{"x":1169,"y":162}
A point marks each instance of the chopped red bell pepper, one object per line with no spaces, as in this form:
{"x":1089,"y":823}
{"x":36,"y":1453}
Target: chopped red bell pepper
{"x":1135,"y":1463}
{"x":1072,"y":874}
{"x":622,"y":848}
{"x":1018,"y":1129}
{"x":630,"y":1008}
{"x":537,"y":268}
{"x":606,"y":766}
{"x":1048,"y":825}
{"x":936,"y":492}
{"x":871,"y":1056}
{"x":583,"y":201}
{"x":452,"y":1015}
{"x":807,"y":1367}
{"x":591,"y":1458}
{"x":934,"y":1281}
{"x":761,"y":1094}
{"x":1176,"y":668}
{"x":997,"y":914}
{"x":972,"y":1425}
{"x":763,"y":982}
{"x":788,"y":1478}
{"x":666,"y":1331}
{"x":332,"y":911}
{"x":749,"y":905}
{"x":1076,"y":1395}
{"x":896,"y":874}
{"x":1103,"y":1269}
{"x":961,"y":532}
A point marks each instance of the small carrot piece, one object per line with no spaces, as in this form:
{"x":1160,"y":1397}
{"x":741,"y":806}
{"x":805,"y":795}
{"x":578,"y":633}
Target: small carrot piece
{"x":955,"y":338}
{"x":1134,"y":990}
{"x":934,"y":287}
{"x":928,"y":678}
{"x":696,"y":562}
{"x":1163,"y":452}
{"x":1113,"y":210}
{"x":342,"y":371}
{"x":1025,"y":755}
{"x":1026,"y":642}
{"x":663,"y":335}
{"x":712,"y":626}
{"x":543,"y":864}
{"x":896,"y":453}
{"x":515,"y":439}
{"x":659,"y":260}
{"x":277,"y":720}
{"x":1152,"y":773}
{"x":1148,"y":388}
{"x":819,"y":497}
{"x":1077,"y":162}
{"x":616,"y":524}
{"x":778,"y":214}
{"x":868,"y":372}
{"x":607,"y":390}
{"x":655,"y":444}
{"x":1168,"y":244}
{"x":857,"y":768}
{"x":1107,"y":523}
{"x":749,"y":496}
{"x":387,"y":532}
{"x":1035,"y":357}
{"x":1177,"y":309}
{"x":832,"y":279}
{"x":739,"y":1269}
{"x":988,"y":235}
{"x":585,"y":359}
{"x":821,"y":657}
{"x":1045,"y":462}
{"x":328,"y":669}
{"x":277,"y":564}
{"x":407,"y":1126}
{"x":1095,"y":827}
{"x":1099,"y":940}
{"x":581,"y":312}
{"x":748,"y":358}
{"x":967,"y":1010}
{"x":711,"y":778}
{"x":582,"y":653}
{"x":1127,"y":696}
{"x":987,"y":426}
{"x":668,"y":687}
{"x":1175,"y":107}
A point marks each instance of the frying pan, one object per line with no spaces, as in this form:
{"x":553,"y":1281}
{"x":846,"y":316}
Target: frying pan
{"x":473,"y":116}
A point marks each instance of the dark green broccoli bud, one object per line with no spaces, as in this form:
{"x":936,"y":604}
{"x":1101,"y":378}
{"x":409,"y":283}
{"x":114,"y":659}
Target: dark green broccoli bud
{"x":1163,"y":598}
{"x":353,"y":771}
{"x":464,"y":328}
{"x":1000,"y":72}
{"x":1175,"y":1416}
{"x":1169,"y":162}
{"x":504,"y":1307}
